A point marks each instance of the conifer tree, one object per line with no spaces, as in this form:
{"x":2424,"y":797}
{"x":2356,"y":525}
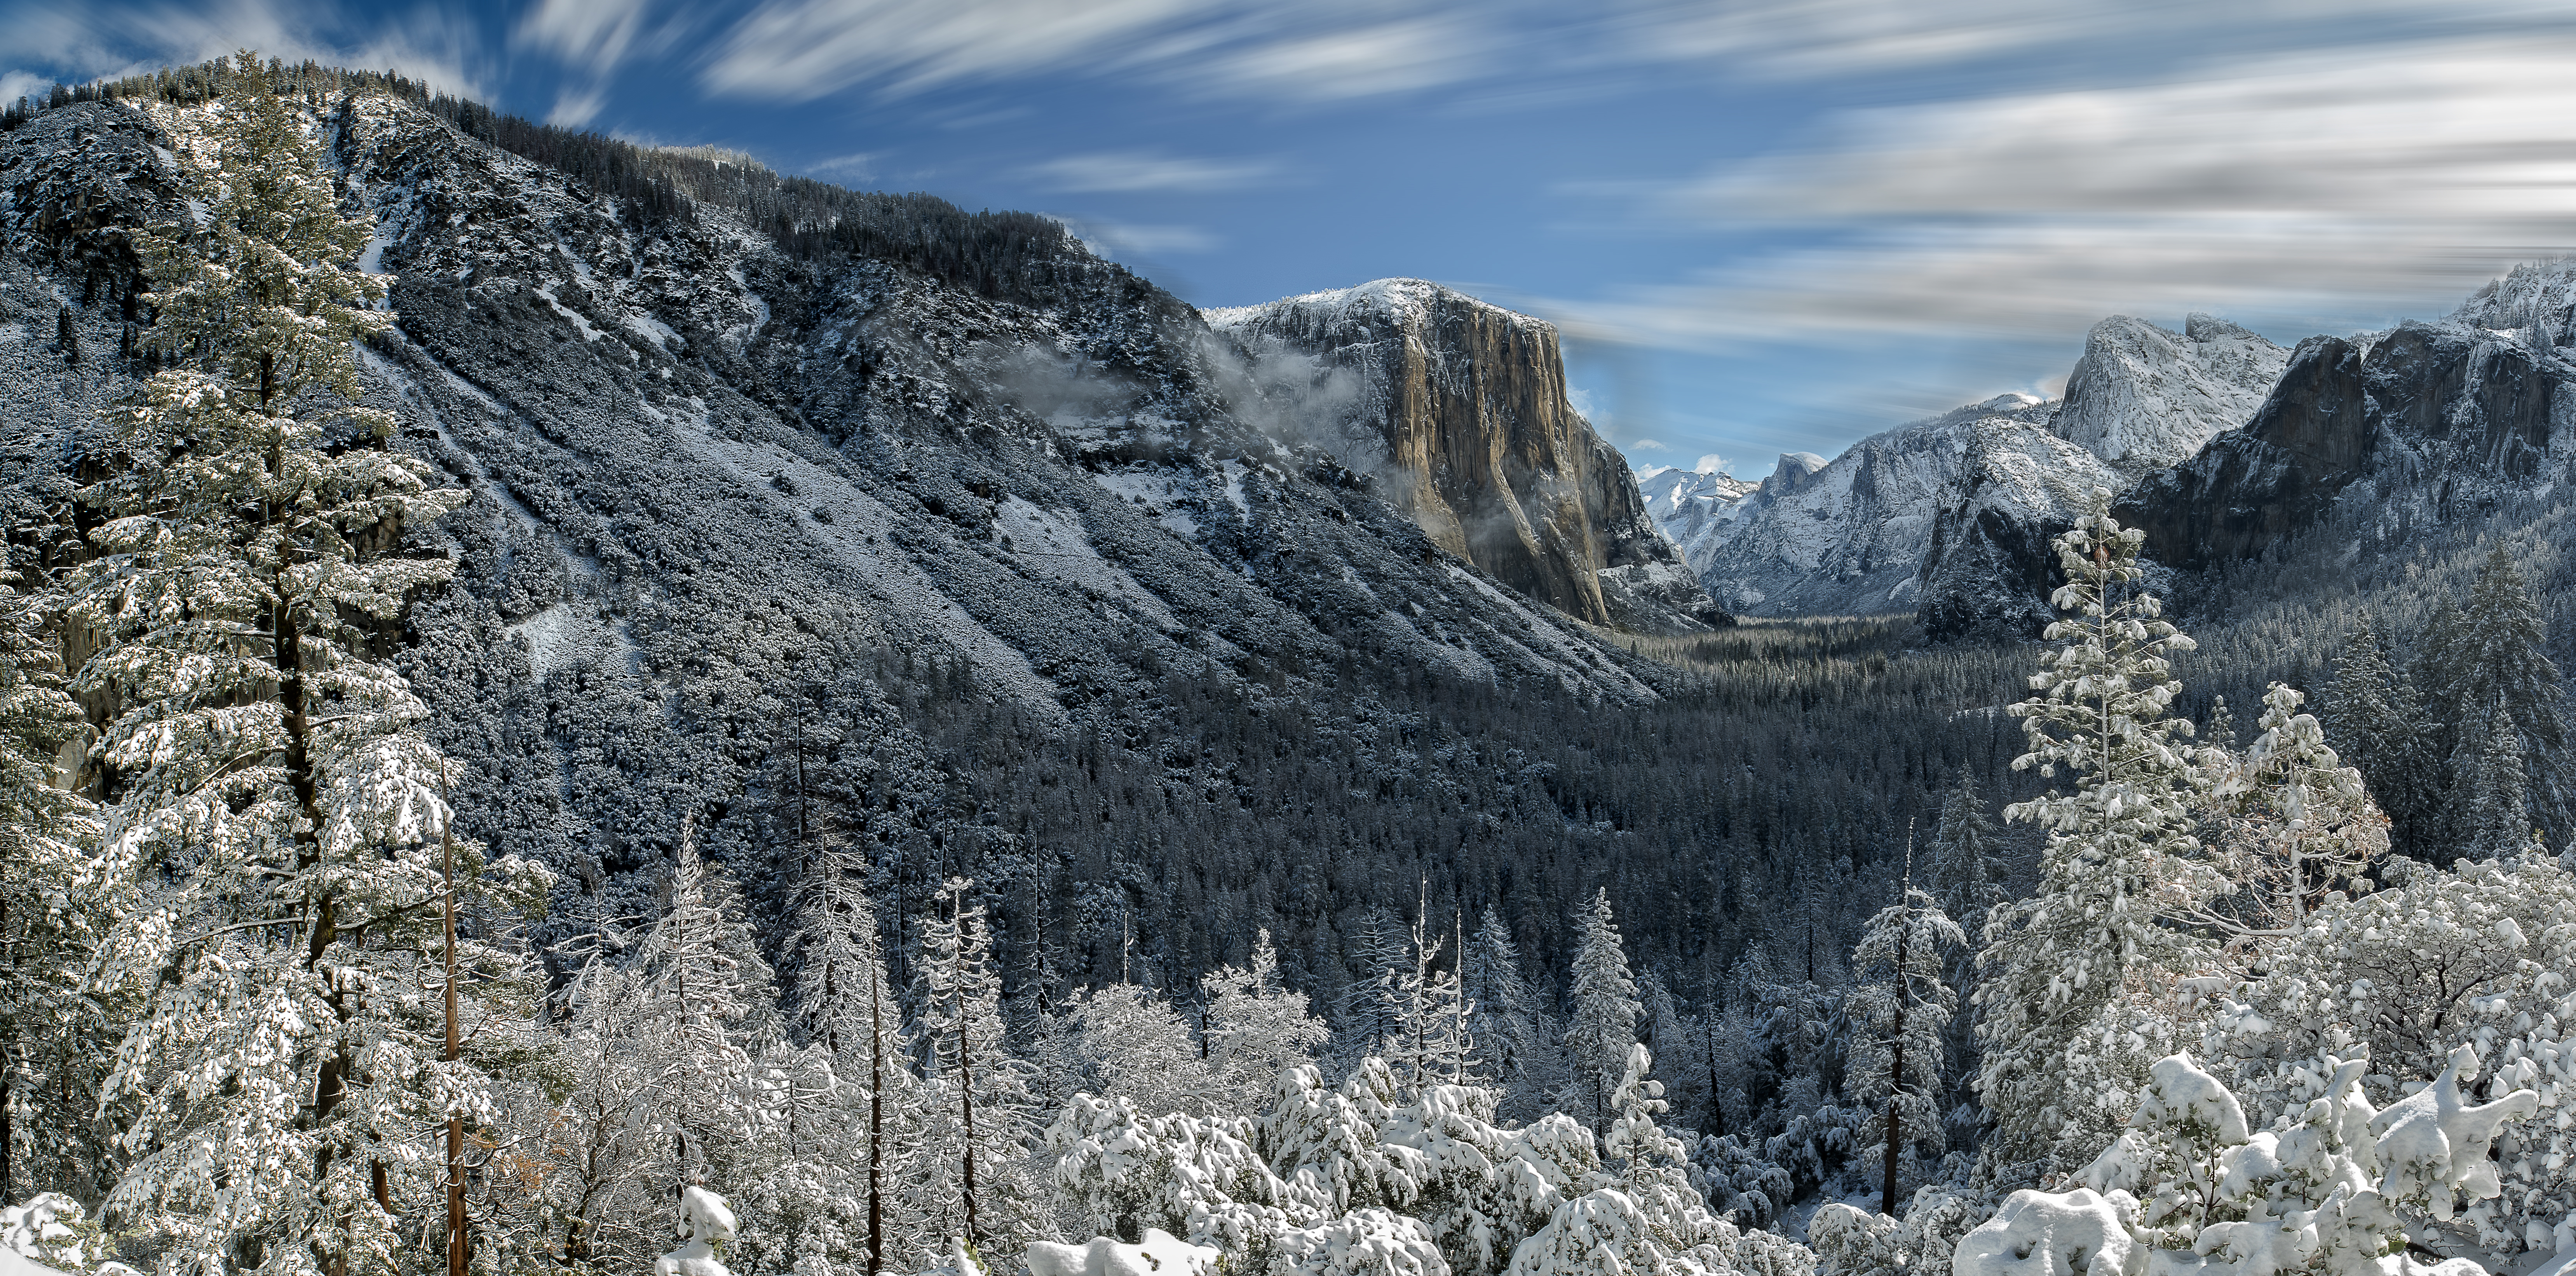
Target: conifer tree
{"x":51,"y":1032}
{"x":2059,"y":967}
{"x":2289,"y":827}
{"x":983,"y":1113}
{"x":2493,"y":677}
{"x":1898,"y":1012}
{"x":1605,"y":1008}
{"x":2494,"y":818}
{"x":2373,"y":719}
{"x":271,"y":815}
{"x":845,"y":1005}
{"x":1508,"y":1043}
{"x":1256,"y":1029}
{"x":1967,"y":869}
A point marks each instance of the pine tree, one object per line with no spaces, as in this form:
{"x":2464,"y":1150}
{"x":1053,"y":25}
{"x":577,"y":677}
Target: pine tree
{"x":2059,"y":967}
{"x":2493,"y":674}
{"x":2374,"y":721}
{"x":1509,"y":1044}
{"x":978,"y":1093}
{"x":2494,"y":819}
{"x":845,"y":1005}
{"x":2221,"y":736}
{"x":52,"y":1034}
{"x":1898,"y":1014}
{"x":1967,"y":869}
{"x":272,"y":816}
{"x":1605,"y":1009}
{"x":2288,"y":827}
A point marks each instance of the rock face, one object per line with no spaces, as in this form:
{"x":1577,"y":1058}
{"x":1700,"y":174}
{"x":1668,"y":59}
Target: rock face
{"x":1456,"y":410}
{"x":2421,"y":420}
{"x":1849,"y":536}
{"x":720,"y":490}
{"x":2142,"y":398}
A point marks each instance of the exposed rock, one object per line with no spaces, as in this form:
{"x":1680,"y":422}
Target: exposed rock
{"x":1849,"y":536}
{"x":2432,"y":415}
{"x":2142,"y":397}
{"x":1458,"y":412}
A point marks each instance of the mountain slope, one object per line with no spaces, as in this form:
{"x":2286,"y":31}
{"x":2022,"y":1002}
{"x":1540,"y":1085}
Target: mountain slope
{"x":717,"y":487}
{"x":1457,"y":411}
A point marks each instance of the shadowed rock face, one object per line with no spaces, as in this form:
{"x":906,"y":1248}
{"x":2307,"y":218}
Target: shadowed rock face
{"x":2442,"y":411}
{"x":1458,"y":410}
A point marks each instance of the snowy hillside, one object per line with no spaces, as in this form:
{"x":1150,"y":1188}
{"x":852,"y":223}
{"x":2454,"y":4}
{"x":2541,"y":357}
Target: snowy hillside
{"x":697,"y":460}
{"x":1928,"y":516}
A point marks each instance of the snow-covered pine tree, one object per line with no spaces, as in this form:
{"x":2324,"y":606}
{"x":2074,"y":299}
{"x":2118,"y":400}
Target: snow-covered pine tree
{"x":1510,"y":1045}
{"x":271,"y":816}
{"x":2289,"y":826}
{"x":1605,"y":1009}
{"x":1898,"y":1014}
{"x":2374,"y":721}
{"x":52,"y":1033}
{"x":1256,"y":1029}
{"x":2221,"y":736}
{"x":2494,"y":669}
{"x":1430,"y":1044}
{"x":1967,"y":869}
{"x":845,"y":1006}
{"x":977,"y":1093}
{"x":2493,"y":817}
{"x":712,"y":1002}
{"x":2065,"y":970}
{"x":1129,"y":1041}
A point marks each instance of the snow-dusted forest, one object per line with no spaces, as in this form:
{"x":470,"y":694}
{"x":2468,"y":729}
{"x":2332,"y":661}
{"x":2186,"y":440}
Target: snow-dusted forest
{"x":2285,"y":996}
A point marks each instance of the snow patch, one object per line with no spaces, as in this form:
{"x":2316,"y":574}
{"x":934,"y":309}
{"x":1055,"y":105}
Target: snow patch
{"x":1053,"y":544}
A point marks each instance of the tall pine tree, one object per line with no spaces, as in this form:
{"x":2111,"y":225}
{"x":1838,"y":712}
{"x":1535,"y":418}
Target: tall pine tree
{"x":1605,"y":1009}
{"x":2066,"y":971}
{"x":271,"y":814}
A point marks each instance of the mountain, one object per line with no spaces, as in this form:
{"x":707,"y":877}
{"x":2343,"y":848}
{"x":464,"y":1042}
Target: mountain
{"x":1456,"y":411}
{"x":1939,"y":516}
{"x":2370,"y":436}
{"x":1697,"y":509}
{"x":1848,"y":537}
{"x":718,"y":486}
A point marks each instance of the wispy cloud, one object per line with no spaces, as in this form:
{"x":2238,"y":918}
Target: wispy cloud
{"x":1127,"y":239}
{"x":858,"y":166}
{"x":2321,"y":187}
{"x":426,"y":42}
{"x":595,"y":35}
{"x":1334,"y":50}
{"x":1105,"y":171}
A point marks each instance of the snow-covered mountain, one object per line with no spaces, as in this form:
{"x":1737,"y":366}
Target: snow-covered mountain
{"x":708,"y":471}
{"x":1849,"y":536}
{"x":1696,"y":508}
{"x":1456,"y":411}
{"x":1935,"y":515}
{"x":2379,"y":433}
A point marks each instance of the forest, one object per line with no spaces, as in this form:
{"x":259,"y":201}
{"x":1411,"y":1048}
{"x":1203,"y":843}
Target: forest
{"x":1844,"y":954}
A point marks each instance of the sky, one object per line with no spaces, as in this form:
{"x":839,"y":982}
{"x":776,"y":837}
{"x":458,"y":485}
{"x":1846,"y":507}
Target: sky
{"x":1762,"y":225}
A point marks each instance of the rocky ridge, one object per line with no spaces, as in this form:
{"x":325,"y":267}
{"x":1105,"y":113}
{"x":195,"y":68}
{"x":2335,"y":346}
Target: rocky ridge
{"x":715,"y":486}
{"x":1457,"y":411}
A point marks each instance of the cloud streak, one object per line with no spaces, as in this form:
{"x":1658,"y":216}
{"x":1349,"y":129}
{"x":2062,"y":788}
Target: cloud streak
{"x":2323,"y":187}
{"x":1123,"y":171}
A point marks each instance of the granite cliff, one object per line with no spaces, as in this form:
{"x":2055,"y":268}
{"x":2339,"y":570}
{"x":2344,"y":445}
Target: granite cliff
{"x":1457,"y":412}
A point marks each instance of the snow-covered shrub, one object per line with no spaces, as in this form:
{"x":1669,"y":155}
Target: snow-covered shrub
{"x":1854,"y":1242}
{"x":2482,"y":952}
{"x":1741,"y":1185}
{"x":705,"y":1222}
{"x":2049,"y":1234}
{"x":1129,"y":1173}
{"x":1364,"y":1242}
{"x":2319,"y":1191}
{"x":1159,"y":1254}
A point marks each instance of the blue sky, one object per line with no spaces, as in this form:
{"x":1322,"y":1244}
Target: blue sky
{"x":1765,"y":225}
